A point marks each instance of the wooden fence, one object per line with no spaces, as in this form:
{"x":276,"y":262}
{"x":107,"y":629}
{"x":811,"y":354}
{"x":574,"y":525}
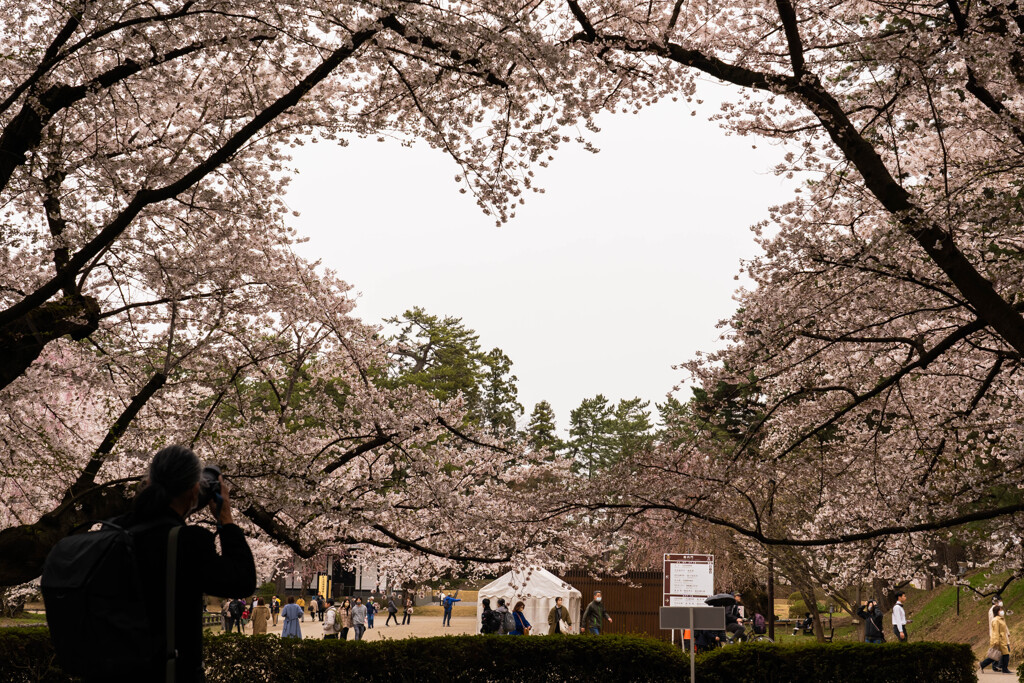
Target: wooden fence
{"x":633,"y":604}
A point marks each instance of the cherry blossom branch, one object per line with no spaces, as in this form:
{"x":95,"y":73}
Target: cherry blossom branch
{"x":146,"y":197}
{"x":842,"y":539}
{"x":996,"y":311}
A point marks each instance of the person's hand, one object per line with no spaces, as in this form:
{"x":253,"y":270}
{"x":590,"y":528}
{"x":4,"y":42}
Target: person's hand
{"x":609,"y":620}
{"x":223,"y":516}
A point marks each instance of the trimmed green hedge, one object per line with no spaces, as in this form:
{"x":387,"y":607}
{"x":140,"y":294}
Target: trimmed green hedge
{"x":233,"y":657}
{"x":26,"y":656}
{"x":838,"y":663}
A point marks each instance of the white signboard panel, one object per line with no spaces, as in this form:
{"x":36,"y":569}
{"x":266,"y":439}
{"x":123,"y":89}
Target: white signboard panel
{"x":689,"y":579}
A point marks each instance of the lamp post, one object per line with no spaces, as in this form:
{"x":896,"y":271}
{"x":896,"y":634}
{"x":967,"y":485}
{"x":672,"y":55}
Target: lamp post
{"x":961,"y":569}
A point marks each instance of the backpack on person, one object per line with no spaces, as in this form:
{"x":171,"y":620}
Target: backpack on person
{"x":236,"y":609}
{"x":490,"y":621}
{"x":760,"y":626}
{"x":509,"y":622}
{"x":332,"y":624}
{"x":96,"y":607}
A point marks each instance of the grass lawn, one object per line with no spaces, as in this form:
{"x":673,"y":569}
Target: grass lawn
{"x":458,"y":610}
{"x":23,"y":619}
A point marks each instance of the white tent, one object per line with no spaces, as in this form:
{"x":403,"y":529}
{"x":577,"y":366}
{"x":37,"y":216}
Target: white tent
{"x":538,"y":588}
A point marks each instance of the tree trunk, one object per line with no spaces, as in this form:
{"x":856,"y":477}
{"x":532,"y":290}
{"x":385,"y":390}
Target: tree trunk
{"x":22,"y":340}
{"x":24,"y":548}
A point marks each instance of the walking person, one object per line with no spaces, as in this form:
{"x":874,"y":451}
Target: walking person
{"x":392,"y":612}
{"x":998,"y":643}
{"x":345,"y":615}
{"x":371,"y":609}
{"x":332,"y":625}
{"x":225,"y":616}
{"x":996,"y":602}
{"x":275,"y":608}
{"x":507,"y":622}
{"x":321,"y":607}
{"x":872,"y":616}
{"x":235,"y":611}
{"x":490,"y":621}
{"x":359,"y":618}
{"x":448,"y":602}
{"x":407,"y":618}
{"x":899,"y":618}
{"x":260,"y":617}
{"x":558,"y":619}
{"x":291,"y":613}
{"x":301,"y":603}
{"x":522,"y":626}
{"x":594,"y":616}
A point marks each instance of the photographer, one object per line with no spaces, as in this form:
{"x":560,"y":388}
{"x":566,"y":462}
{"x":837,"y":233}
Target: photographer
{"x":872,"y":616}
{"x":172,"y":493}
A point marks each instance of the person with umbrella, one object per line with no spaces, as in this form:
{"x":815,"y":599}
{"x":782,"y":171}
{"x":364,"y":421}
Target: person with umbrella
{"x":733,"y":603}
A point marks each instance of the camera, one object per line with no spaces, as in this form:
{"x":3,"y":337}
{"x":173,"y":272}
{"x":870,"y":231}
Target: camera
{"x":209,"y":487}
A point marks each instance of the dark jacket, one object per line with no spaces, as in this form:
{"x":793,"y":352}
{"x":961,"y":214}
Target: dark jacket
{"x":872,"y":622}
{"x":732,"y":614}
{"x":200,"y":570}
{"x":595,"y":615}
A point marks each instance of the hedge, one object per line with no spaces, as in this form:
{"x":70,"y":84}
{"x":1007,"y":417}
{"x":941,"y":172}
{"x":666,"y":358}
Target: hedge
{"x":26,"y":656}
{"x":838,"y":662}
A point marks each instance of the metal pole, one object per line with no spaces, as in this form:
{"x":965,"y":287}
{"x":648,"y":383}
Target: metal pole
{"x":958,"y":599}
{"x":771,"y":598}
{"x":693,"y":652}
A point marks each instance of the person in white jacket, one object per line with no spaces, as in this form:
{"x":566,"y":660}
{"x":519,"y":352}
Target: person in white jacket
{"x":331,"y":624}
{"x":899,"y":618}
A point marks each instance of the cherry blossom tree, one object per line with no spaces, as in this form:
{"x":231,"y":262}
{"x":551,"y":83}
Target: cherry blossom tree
{"x":131,"y":132}
{"x":882,"y":336}
{"x":148,"y":293}
{"x":319,"y":456}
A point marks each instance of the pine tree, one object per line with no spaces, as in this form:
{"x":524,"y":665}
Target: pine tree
{"x":541,"y":432}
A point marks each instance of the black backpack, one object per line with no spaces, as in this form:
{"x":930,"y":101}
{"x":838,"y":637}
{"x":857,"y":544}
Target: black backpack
{"x":96,"y":607}
{"x":490,"y":621}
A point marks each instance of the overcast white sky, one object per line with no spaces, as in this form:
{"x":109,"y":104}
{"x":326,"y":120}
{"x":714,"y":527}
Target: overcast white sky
{"x":620,"y":270}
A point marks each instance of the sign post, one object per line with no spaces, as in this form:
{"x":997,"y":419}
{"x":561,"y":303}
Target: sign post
{"x":704,"y":618}
{"x":688,"y":581}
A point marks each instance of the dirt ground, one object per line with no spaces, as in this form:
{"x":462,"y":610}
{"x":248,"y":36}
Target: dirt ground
{"x":420,"y":627}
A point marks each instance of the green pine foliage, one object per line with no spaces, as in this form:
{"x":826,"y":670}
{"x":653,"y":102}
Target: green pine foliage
{"x":541,"y":431}
{"x":443,"y":357}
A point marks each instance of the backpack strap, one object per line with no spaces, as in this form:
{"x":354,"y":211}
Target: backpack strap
{"x":172,"y":568}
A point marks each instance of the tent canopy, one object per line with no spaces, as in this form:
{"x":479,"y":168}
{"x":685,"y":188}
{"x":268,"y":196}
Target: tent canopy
{"x":538,"y":588}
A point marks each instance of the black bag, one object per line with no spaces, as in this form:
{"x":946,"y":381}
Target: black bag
{"x":490,"y":621}
{"x":95,"y":605}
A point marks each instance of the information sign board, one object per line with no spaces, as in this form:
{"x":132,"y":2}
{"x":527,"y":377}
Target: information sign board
{"x":689,"y":580}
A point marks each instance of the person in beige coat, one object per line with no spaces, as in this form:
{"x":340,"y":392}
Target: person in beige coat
{"x":998,"y":643}
{"x":260,"y":617}
{"x":559,"y":620}
{"x":345,"y":616}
